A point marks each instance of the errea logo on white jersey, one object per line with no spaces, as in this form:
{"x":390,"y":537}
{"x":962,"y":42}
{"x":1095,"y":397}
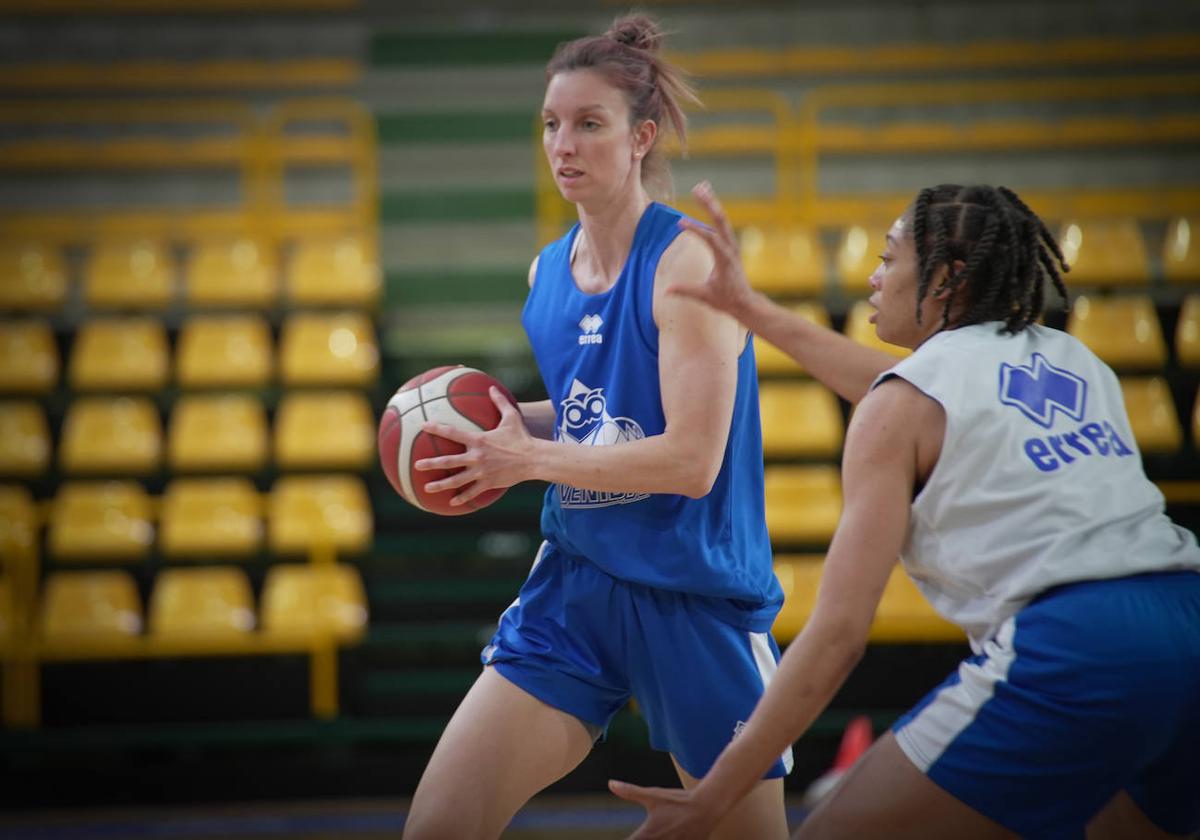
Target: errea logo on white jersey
{"x":590,"y":324}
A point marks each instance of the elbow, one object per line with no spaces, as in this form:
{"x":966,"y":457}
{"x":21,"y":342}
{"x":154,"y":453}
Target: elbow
{"x":699,"y":480}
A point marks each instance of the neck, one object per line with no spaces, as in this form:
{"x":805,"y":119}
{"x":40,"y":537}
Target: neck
{"x":608,"y":234}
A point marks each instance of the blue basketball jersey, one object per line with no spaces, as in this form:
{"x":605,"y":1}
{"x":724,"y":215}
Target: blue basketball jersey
{"x":598,"y":356}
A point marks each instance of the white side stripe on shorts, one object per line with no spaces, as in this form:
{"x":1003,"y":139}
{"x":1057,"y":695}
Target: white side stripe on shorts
{"x":760,"y":645}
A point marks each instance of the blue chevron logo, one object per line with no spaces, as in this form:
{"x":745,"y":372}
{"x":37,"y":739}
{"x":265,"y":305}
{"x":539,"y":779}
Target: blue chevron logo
{"x":1039,"y":389}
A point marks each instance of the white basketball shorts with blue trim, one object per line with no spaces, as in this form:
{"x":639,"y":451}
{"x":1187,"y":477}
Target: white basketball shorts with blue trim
{"x":584,"y":642}
{"x":1091,"y":689}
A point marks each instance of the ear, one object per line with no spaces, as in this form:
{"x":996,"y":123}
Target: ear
{"x":643,"y":138}
{"x":941,"y":279}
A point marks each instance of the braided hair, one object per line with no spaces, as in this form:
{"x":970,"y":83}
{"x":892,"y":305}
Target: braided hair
{"x":1006,"y":251}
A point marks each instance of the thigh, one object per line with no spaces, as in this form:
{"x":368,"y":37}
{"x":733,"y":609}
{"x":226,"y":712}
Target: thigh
{"x":759,"y":815}
{"x":1122,"y":818}
{"x":697,"y":679}
{"x":501,"y":747}
{"x":885,"y":796}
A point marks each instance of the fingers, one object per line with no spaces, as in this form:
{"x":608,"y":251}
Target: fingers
{"x":444,"y":430}
{"x":707,"y":196}
{"x":449,"y":482}
{"x":633,"y":793}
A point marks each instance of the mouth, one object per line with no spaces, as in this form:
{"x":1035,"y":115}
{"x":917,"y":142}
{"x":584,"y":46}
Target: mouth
{"x":874,"y":316}
{"x":569,"y":174}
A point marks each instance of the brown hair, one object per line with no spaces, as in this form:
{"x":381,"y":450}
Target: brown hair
{"x":627,"y":56}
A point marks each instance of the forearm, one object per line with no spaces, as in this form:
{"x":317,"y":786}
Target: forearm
{"x":810,"y":673}
{"x":841,"y":364}
{"x":663,"y":463}
{"x":539,"y":418}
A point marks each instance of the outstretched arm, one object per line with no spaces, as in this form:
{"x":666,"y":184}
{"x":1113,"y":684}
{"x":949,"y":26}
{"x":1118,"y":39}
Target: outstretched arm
{"x":840,"y":363}
{"x":879,"y":469}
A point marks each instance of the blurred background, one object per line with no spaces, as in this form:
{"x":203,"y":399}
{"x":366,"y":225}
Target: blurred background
{"x":230,"y":229}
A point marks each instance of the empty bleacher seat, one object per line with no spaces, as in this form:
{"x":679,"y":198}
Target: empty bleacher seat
{"x":120,"y":354}
{"x":28,"y":357}
{"x":1181,"y":251}
{"x":101,"y":521}
{"x":121,"y":435}
{"x":24,"y":439}
{"x":858,"y":255}
{"x":33,"y":277}
{"x":217,"y":433}
{"x":324,"y":430}
{"x":799,"y":576}
{"x":319,"y":512}
{"x":19,"y":523}
{"x":224,"y":352}
{"x":85,"y":607}
{"x":770,"y":359}
{"x":783,"y":261}
{"x":1105,"y":252}
{"x":800,"y":419}
{"x":231,"y":273}
{"x":201,"y":603}
{"x":1187,"y":332}
{"x":302,"y":598}
{"x":337,"y":349}
{"x":859,"y":327}
{"x":803,"y":503}
{"x":129,"y":275}
{"x":1123,"y":331}
{"x":1152,"y":414}
{"x":337,"y":272}
{"x":210,"y":517}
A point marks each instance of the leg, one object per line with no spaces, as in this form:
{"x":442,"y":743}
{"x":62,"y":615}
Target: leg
{"x":501,"y":747}
{"x":759,"y":815}
{"x":1122,"y":818}
{"x":885,"y":795}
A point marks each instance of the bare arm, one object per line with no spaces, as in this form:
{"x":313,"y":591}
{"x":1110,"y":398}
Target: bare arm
{"x":843,"y":365}
{"x":879,"y":469}
{"x":698,"y":352}
{"x":539,"y":418}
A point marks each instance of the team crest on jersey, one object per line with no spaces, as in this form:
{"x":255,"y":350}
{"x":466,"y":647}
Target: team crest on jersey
{"x":587,"y":422}
{"x":1040,"y":389}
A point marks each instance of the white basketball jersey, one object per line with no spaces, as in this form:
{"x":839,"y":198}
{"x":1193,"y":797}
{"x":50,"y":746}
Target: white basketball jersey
{"x":1039,"y":482}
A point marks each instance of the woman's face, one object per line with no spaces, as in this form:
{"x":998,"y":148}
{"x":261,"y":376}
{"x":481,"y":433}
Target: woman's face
{"x":894,"y":291}
{"x":592,"y":151}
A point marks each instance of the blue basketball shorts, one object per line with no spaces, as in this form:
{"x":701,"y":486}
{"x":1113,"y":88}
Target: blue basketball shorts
{"x":584,"y":642}
{"x":1091,"y":689}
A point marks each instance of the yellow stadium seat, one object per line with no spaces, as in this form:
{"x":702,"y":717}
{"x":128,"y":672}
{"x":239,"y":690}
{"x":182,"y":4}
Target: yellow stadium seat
{"x":316,"y":512}
{"x":208,"y":517}
{"x":799,"y":576}
{"x":770,"y":359}
{"x":18,"y":523}
{"x":33,"y":278}
{"x":324,"y":430}
{"x":215,"y":433}
{"x":120,"y":354}
{"x":7,"y":622}
{"x":333,"y":273}
{"x":28,"y":357}
{"x":1152,"y":415}
{"x":859,"y":327}
{"x":803,"y":504}
{"x":224,"y":352}
{"x":299,"y":599}
{"x":1123,"y":331}
{"x":1105,"y":252}
{"x":238,"y":273}
{"x":24,"y":439}
{"x":800,"y":419}
{"x":1187,"y":332}
{"x":1181,"y":251}
{"x":335,"y":349}
{"x":88,"y":606}
{"x":121,"y":435}
{"x":93,"y":521}
{"x":206,"y":603}
{"x":858,"y":256}
{"x":129,"y":275}
{"x":782,"y":261}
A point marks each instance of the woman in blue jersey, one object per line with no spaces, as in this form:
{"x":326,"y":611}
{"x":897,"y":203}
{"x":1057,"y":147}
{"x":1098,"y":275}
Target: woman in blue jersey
{"x":655,"y":578}
{"x":998,"y":463}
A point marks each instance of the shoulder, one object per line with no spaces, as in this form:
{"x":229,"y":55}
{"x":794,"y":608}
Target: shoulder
{"x":687,"y":259}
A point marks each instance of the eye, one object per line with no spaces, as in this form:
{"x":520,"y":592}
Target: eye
{"x":549,"y":124}
{"x":590,"y":125}
{"x":885,"y":258}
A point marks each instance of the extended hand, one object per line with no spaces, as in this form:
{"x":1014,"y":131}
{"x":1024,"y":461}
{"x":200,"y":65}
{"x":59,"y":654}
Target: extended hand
{"x":670,"y":812}
{"x":726,"y":288}
{"x":492,"y":459}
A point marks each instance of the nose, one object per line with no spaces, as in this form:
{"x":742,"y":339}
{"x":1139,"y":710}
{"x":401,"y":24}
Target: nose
{"x":875,"y":281}
{"x":563,"y":143}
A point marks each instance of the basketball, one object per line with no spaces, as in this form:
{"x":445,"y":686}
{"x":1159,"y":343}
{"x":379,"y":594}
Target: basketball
{"x":452,"y":394}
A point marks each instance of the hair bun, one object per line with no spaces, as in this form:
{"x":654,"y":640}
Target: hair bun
{"x":636,"y":31}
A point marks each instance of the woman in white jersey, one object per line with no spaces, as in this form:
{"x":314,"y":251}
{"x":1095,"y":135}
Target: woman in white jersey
{"x":997,"y":461}
{"x":654,"y":580}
